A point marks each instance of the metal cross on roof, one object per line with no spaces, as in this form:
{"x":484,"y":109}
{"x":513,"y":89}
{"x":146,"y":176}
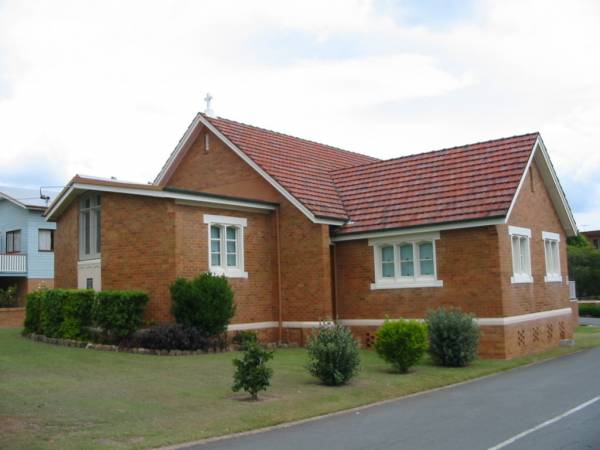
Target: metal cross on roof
{"x":208,"y":99}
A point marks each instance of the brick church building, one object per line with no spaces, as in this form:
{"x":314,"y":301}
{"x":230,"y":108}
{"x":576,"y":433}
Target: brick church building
{"x":306,"y":232}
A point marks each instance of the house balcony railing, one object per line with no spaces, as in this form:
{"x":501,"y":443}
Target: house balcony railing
{"x":13,"y":264}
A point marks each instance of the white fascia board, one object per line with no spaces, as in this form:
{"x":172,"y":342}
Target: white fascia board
{"x":199,"y":119}
{"x":193,"y":198}
{"x":540,"y":154}
{"x":523,"y":177}
{"x":183,"y":142}
{"x":547,"y":235}
{"x":58,"y":201}
{"x":12,"y":200}
{"x":417,"y":230}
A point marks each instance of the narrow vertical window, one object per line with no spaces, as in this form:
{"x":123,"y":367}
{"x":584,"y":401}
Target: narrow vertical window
{"x":231,"y":247}
{"x":552,"y":255}
{"x":387,"y":262}
{"x":426,"y":258}
{"x":45,"y":240}
{"x":215,"y":246}
{"x":521,"y":256}
{"x":90,"y":243}
{"x":13,"y":241}
{"x":407,"y":266}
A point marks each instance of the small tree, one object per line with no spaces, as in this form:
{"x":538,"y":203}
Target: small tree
{"x":206,"y":303}
{"x":333,"y":355}
{"x":453,"y":337}
{"x":251,"y":372}
{"x":401,"y":342}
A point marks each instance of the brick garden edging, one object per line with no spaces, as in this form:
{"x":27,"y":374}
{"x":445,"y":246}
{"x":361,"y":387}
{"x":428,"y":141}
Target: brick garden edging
{"x":113,"y":348}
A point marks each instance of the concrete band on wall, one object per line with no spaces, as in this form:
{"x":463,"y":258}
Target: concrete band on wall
{"x":482,"y":321}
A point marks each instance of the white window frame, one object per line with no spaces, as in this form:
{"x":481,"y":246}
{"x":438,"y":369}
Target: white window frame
{"x":41,"y":232}
{"x":398,"y":281}
{"x":239,"y":223}
{"x":524,"y":275}
{"x":553,"y":271}
{"x":95,"y":211}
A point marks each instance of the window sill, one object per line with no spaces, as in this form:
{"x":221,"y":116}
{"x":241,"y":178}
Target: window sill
{"x":229,"y":273}
{"x":553,"y":279}
{"x":516,"y":279}
{"x":406,"y":284}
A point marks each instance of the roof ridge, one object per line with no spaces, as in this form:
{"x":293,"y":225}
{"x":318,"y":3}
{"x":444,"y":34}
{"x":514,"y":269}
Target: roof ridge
{"x":431,"y":152}
{"x":294,"y":137}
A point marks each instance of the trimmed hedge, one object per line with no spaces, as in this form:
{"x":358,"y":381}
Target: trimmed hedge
{"x":589,"y":309}
{"x":33,"y":311}
{"x":401,"y":342}
{"x":205,"y":303}
{"x":119,"y":313}
{"x":69,"y":313}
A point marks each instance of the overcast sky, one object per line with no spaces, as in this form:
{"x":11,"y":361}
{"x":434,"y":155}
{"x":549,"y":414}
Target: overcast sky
{"x":107,"y":88}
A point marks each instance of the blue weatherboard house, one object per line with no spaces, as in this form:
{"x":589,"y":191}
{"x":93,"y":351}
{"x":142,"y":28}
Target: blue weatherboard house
{"x":26,"y":240}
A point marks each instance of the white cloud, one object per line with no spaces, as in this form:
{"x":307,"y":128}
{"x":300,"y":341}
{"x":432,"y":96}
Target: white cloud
{"x":108,"y":87}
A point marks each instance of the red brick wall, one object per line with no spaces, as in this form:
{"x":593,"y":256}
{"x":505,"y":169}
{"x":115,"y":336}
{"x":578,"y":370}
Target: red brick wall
{"x":66,"y":248}
{"x":305,"y":258}
{"x":255,"y":296}
{"x":533,"y":210}
{"x":467,"y":263}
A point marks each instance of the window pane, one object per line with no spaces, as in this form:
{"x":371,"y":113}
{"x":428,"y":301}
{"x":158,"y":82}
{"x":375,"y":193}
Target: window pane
{"x":215,"y":259}
{"x":556,"y":257}
{"x":98,"y":230}
{"x":231,"y":259}
{"x":230,"y":246}
{"x":86,"y":232}
{"x":44,"y":240}
{"x":215,"y":232}
{"x":516,"y":251}
{"x":231,"y":233}
{"x":387,"y":261}
{"x":9,"y":243}
{"x":407,"y":269}
{"x":427,"y":267}
{"x":426,"y":258}
{"x":406,"y":252}
{"x":215,"y":246}
{"x":524,"y":244}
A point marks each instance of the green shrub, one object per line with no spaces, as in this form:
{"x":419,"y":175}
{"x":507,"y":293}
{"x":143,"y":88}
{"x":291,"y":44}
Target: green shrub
{"x":453,"y":337}
{"x":77,"y":313}
{"x":51,"y":312}
{"x":589,"y":309}
{"x":401,"y":342}
{"x":206,"y":303}
{"x":33,"y":309}
{"x":333,"y":355}
{"x":251,"y":372}
{"x":8,"y":297}
{"x":584,"y":268}
{"x":119,"y":313}
{"x":174,"y":337}
{"x":244,"y":338}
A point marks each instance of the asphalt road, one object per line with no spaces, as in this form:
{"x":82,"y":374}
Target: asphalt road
{"x":520,"y":409}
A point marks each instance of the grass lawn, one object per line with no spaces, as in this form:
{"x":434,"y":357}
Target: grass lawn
{"x":65,"y":398}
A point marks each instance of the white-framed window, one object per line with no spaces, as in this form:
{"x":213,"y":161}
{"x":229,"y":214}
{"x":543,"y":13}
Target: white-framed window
{"x":90,"y":241}
{"x":45,"y":240}
{"x":13,"y":241}
{"x":521,"y":254}
{"x":405,"y":261}
{"x":226,"y":245}
{"x":552,"y":254}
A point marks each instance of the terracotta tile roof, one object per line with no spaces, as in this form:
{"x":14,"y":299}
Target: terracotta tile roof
{"x":475,"y":181}
{"x":302,"y":167}
{"x":469,"y":182}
